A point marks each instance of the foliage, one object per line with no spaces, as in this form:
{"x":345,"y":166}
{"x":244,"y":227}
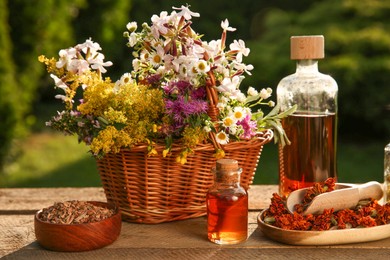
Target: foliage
{"x":103,"y":25}
{"x":356,"y":34}
{"x":36,"y":26}
{"x":357,"y":42}
{"x":175,"y":77}
{"x":34,"y":31}
{"x":8,"y":84}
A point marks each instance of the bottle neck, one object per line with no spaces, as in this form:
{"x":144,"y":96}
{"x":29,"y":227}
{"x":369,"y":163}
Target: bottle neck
{"x":229,"y":178}
{"x":307,"y":66}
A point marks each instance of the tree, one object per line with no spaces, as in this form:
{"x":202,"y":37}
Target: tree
{"x":357,"y":49}
{"x":8,"y":115}
{"x":26,"y":33}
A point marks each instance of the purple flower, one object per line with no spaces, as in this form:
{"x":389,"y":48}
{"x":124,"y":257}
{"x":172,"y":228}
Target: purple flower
{"x":249,"y":127}
{"x":181,"y":110}
{"x":199,"y":93}
{"x":182,"y":106}
{"x":153,"y":79}
{"x":180,"y":87}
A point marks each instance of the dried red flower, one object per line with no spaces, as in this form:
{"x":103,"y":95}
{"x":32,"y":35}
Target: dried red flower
{"x":365,"y":214}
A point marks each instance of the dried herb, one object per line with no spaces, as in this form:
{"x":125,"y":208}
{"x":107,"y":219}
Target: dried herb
{"x":75,"y":212}
{"x":311,"y":193}
{"x":367,"y":213}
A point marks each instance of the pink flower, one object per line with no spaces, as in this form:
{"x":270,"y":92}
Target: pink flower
{"x":249,"y":126}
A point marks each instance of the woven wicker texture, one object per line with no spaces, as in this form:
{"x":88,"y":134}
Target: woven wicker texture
{"x":156,"y":189}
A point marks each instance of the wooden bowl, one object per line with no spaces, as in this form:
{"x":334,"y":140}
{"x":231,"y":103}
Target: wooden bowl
{"x":78,"y":237}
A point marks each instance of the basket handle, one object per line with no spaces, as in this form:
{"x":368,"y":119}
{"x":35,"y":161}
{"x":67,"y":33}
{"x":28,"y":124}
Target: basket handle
{"x":212,"y":111}
{"x":212,"y":96}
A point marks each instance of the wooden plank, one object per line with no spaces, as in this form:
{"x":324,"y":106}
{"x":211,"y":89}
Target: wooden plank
{"x":32,"y":199}
{"x":260,"y":196}
{"x":215,"y":253}
{"x":15,"y":232}
{"x":185,"y":239}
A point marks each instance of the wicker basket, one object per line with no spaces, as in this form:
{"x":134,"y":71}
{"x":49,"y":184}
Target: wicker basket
{"x":156,"y":189}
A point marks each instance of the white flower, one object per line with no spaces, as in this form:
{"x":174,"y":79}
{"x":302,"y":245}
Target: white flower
{"x":202,"y":67}
{"x":93,"y":47}
{"x":222,"y":137}
{"x":207,"y":129}
{"x":229,"y":121}
{"x":271,"y":103}
{"x":233,"y":130}
{"x":225,"y":26}
{"x":157,"y":57}
{"x":265,"y":93}
{"x":186,"y":12}
{"x":228,"y":84}
{"x":240,"y":96}
{"x":252,"y":91}
{"x":132,"y":39}
{"x":65,"y":57}
{"x":229,"y":87}
{"x":240,"y":47}
{"x":222,"y":102}
{"x":132,"y":26}
{"x":59,"y":83}
{"x":77,"y":66}
{"x":178,"y":61}
{"x":62,"y":97}
{"x":213,"y":47}
{"x":97,"y":63}
{"x":160,"y":69}
{"x":136,"y":64}
{"x":144,"y":56}
{"x":239,"y":113}
{"x":242,"y":66}
{"x":197,"y":51}
{"x":158,"y":24}
{"x":221,"y":105}
{"x":125,"y":79}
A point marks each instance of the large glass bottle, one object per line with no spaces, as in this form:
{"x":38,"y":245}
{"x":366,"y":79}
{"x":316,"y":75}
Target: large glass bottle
{"x":387,"y":174}
{"x":312,"y":129}
{"x":227,"y":205}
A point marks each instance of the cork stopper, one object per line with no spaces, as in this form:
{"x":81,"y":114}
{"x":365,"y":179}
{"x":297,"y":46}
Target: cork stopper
{"x":227,"y":165}
{"x":307,"y":47}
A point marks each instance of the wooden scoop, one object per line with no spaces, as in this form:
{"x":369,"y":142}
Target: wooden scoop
{"x":344,"y":196}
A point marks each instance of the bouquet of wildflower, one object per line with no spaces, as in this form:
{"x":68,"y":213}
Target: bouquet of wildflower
{"x":181,"y":89}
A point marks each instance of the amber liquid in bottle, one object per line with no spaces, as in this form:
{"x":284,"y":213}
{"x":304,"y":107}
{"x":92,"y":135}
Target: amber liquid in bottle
{"x":311,"y":156}
{"x":227,"y":216}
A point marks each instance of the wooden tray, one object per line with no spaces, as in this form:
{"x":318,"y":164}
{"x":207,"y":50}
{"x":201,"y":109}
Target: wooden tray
{"x":330,"y":237}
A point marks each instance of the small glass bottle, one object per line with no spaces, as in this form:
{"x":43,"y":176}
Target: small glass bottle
{"x":387,"y":174}
{"x":312,"y":129}
{"x":227,"y":205}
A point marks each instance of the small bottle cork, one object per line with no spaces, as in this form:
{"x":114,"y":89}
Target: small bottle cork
{"x":227,"y":165}
{"x":309,"y":47}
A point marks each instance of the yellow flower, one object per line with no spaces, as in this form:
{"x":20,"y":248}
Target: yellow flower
{"x":219,"y":153}
{"x":152,"y":152}
{"x":166,"y":152}
{"x":181,"y":159}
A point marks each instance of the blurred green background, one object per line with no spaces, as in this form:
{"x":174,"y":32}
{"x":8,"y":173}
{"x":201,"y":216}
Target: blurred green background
{"x":357,"y":47}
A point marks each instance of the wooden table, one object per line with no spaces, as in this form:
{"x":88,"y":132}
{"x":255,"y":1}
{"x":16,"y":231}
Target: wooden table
{"x":184,"y":239}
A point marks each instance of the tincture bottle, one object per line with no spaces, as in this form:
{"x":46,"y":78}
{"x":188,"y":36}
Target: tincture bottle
{"x":227,"y":205}
{"x":312,"y":129}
